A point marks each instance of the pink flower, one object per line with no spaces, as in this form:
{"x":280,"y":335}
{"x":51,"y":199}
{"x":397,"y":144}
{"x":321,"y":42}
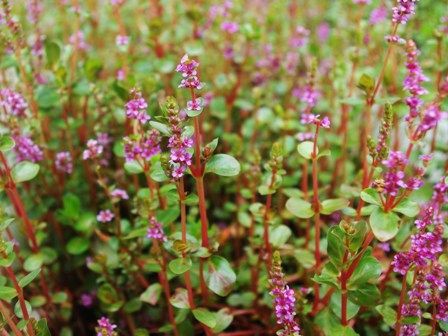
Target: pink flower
{"x":105,"y":216}
{"x":78,"y":41}
{"x":230,"y":27}
{"x":105,"y":327}
{"x":325,"y":123}
{"x":93,"y":151}
{"x":122,"y":40}
{"x":120,"y":194}
{"x":13,"y":103}
{"x":26,"y":149}
{"x":155,"y":230}
{"x":136,"y":107}
{"x":64,"y":162}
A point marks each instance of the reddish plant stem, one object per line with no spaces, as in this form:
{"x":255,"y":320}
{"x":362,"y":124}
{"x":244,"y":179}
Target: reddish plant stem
{"x":198,"y":174}
{"x":400,"y":304}
{"x":23,"y":308}
{"x":18,"y":204}
{"x":316,"y":208}
{"x":4,"y":311}
{"x":163,"y":278}
{"x":183,"y":220}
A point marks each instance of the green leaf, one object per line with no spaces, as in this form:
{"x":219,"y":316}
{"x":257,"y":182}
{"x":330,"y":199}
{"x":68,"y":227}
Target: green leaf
{"x":132,"y":306}
{"x":180,"y":265}
{"x":368,"y":269}
{"x":6,"y":143}
{"x":358,"y":237}
{"x":213,"y":144}
{"x":366,"y":83}
{"x":299,"y":208}
{"x":42,"y":328}
{"x":367,"y":295}
{"x":223,"y":165}
{"x":389,"y":314}
{"x":162,"y":128}
{"x":23,"y":282}
{"x":223,"y":320}
{"x":78,"y":245}
{"x":7,"y":293}
{"x":133,"y":167}
{"x":180,"y":299}
{"x":24,"y":171}
{"x":47,"y":97}
{"x":331,"y":205}
{"x":206,"y":317}
{"x":341,"y":330}
{"x":152,"y":294}
{"x":335,"y":306}
{"x":33,"y":262}
{"x":371,"y":196}
{"x":157,"y":173}
{"x":384,"y":224}
{"x":306,"y":149}
{"x":279,"y":235}
{"x":408,"y":208}
{"x":52,"y":51}
{"x":335,"y":245}
{"x":304,"y":257}
{"x":60,"y":297}
{"x":328,"y":276}
{"x":219,"y":276}
{"x":107,"y":294}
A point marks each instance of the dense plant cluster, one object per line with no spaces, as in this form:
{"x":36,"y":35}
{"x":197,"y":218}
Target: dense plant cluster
{"x":223,"y":167}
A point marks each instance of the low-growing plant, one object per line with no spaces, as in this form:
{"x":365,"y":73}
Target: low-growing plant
{"x":223,"y":168}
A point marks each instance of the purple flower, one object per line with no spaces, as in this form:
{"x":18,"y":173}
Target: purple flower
{"x":378,"y":15}
{"x":413,"y":81}
{"x":305,"y":136}
{"x":431,"y":116}
{"x":26,"y":149}
{"x":403,"y":10}
{"x":78,"y":41}
{"x":300,"y":37}
{"x":409,"y":330}
{"x":64,"y":162}
{"x":105,"y":216}
{"x":230,"y":27}
{"x":195,"y":105}
{"x":122,"y":40}
{"x":120,"y":194}
{"x":423,"y":254}
{"x":87,"y":299}
{"x":395,"y":39}
{"x":361,"y":2}
{"x":323,"y":31}
{"x":13,"y":103}
{"x":105,"y":327}
{"x":325,"y":123}
{"x":136,"y":107}
{"x":155,"y":230}
{"x":187,"y":67}
{"x":93,"y":151}
{"x":142,"y":146}
{"x":34,"y":9}
{"x":121,"y":74}
{"x":307,"y":95}
{"x":284,"y":300}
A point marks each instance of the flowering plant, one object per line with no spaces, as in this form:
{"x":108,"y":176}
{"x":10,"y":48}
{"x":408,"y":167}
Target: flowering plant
{"x":223,"y":168}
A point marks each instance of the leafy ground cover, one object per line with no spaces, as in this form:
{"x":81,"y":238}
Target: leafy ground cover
{"x":223,"y":167}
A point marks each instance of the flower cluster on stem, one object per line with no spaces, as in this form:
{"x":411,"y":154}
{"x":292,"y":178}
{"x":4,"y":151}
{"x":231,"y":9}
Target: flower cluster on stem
{"x":284,"y":300}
